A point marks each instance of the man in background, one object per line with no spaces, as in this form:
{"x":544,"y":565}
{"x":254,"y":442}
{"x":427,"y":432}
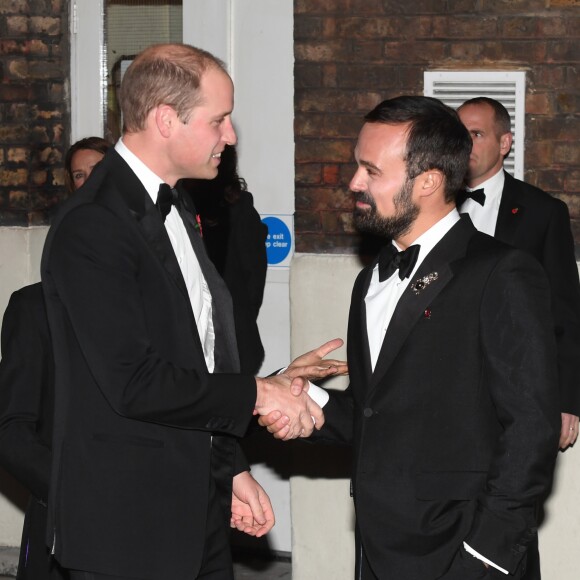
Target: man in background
{"x":530,"y":219}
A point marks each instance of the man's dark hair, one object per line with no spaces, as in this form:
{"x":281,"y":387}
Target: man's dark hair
{"x":501,"y":118}
{"x":436,"y":138}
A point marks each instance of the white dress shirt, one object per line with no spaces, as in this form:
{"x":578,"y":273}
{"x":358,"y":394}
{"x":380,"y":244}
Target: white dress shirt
{"x":382,"y":299}
{"x":197,"y":288}
{"x":484,"y":217}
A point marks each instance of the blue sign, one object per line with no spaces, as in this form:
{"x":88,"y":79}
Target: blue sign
{"x":279,"y":240}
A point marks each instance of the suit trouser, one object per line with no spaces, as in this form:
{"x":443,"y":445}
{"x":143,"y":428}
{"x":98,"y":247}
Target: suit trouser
{"x":217,"y":559}
{"x":463,"y":567}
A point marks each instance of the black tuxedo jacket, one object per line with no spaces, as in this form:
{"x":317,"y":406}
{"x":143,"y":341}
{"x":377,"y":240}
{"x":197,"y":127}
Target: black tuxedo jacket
{"x":26,"y":409}
{"x":532,"y":220}
{"x":142,"y":430}
{"x":455,"y":433}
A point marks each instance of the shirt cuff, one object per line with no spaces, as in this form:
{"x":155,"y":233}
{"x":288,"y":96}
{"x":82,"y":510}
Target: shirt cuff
{"x":477,"y":555}
{"x":317,"y":394}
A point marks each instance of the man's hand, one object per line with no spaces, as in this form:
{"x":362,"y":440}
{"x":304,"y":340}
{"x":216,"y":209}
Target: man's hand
{"x":251,"y":508}
{"x":277,"y":424}
{"x":312,"y":366}
{"x":290,"y":398}
{"x":569,"y":432}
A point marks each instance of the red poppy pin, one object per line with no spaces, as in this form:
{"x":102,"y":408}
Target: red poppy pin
{"x":427,"y":313}
{"x":198,"y":224}
{"x":515,"y":210}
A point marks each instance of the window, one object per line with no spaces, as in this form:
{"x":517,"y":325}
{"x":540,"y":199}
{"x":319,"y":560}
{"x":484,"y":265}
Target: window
{"x":508,"y":87}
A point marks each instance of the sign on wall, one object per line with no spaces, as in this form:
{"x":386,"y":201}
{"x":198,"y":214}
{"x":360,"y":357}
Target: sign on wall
{"x":279,"y":240}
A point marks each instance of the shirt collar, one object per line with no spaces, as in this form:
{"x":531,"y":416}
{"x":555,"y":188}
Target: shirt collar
{"x":150,"y":180}
{"x":493,"y":187}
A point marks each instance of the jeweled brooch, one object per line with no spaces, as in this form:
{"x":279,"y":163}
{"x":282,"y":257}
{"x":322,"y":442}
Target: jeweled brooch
{"x":421,"y":283}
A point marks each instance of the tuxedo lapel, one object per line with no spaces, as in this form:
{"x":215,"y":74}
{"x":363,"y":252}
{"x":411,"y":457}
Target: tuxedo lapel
{"x":154,"y":232}
{"x":440,"y":263}
{"x":359,"y":349}
{"x":226,"y":355}
{"x":511,"y":211}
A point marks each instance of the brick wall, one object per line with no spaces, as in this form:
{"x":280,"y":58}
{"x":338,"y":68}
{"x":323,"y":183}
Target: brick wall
{"x":351,"y":54}
{"x":34,"y":115}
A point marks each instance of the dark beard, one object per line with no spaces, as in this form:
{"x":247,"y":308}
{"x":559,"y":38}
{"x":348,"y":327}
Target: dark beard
{"x":369,"y":221}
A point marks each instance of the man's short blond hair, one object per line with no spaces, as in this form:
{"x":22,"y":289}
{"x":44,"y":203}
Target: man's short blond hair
{"x":163,"y":74}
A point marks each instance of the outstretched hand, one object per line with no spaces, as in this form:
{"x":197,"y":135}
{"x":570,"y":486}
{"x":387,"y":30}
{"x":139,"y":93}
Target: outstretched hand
{"x":312,"y":364}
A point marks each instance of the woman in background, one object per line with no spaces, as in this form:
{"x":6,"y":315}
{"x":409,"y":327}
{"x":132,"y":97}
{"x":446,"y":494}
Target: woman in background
{"x":81,"y":159}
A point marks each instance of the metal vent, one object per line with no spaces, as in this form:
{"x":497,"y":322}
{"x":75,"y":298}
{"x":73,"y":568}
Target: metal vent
{"x":508,"y":87}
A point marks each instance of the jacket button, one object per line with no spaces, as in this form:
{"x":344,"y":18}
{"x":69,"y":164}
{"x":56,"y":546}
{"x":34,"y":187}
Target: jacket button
{"x":368,"y":412}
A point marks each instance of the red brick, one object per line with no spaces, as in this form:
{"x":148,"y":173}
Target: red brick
{"x":39,"y":177}
{"x":572,"y":182}
{"x":58,"y":177}
{"x":561,"y":128}
{"x":45,"y":25}
{"x":538,"y":154}
{"x":517,"y":6}
{"x":18,"y":155}
{"x":330,"y":174}
{"x":419,"y":51}
{"x":547,"y":76}
{"x":472,"y":26}
{"x":13,"y":177}
{"x":308,"y":174}
{"x":321,"y":51}
{"x":13,"y":134}
{"x":553,"y":26}
{"x":316,"y":199}
{"x":18,"y":68}
{"x":327,"y":150}
{"x":17,"y":25}
{"x":563,"y":3}
{"x":519,"y":27}
{"x":538,"y":104}
{"x":563,"y":50}
{"x":329,"y":76}
{"x":307,"y":221}
{"x":13,"y":6}
{"x":370,"y":28}
{"x":567,"y":103}
{"x":567,"y":153}
{"x":308,"y":28}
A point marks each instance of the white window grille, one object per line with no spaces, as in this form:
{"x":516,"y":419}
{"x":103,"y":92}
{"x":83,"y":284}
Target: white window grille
{"x":507,"y":87}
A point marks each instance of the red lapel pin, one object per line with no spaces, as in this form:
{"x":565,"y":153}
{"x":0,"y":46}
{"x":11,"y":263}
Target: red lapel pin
{"x":515,"y":210}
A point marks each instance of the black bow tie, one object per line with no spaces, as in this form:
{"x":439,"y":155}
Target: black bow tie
{"x":391,"y":260}
{"x":167,"y":197}
{"x":477,"y":195}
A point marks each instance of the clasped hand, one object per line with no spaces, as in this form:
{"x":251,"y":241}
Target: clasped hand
{"x":283,"y":403}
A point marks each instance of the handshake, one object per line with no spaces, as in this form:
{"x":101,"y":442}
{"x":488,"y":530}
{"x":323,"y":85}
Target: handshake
{"x":282,"y":400}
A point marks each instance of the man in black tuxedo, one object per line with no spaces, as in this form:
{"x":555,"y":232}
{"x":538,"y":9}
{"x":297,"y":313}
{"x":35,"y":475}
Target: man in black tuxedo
{"x":146,"y":471}
{"x":528,"y":218}
{"x":452,"y":406}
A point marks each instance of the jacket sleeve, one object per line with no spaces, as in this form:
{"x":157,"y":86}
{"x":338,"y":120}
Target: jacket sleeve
{"x":24,"y":376}
{"x":559,"y":262}
{"x":94,"y":284}
{"x":520,"y":373}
